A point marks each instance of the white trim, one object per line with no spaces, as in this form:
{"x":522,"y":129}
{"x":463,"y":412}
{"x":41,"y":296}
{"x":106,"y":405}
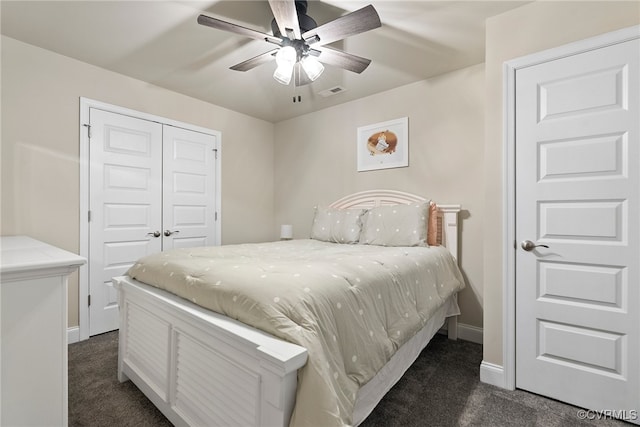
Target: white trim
{"x":492,"y":374}
{"x":465,"y":332}
{"x":83,"y":271}
{"x":470,"y":333}
{"x":508,"y":255}
{"x":73,"y":334}
{"x":85,"y":105}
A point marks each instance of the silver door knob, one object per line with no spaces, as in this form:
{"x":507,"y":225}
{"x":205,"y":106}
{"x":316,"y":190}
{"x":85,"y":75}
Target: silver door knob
{"x":528,"y":245}
{"x":169,"y":232}
{"x":155,"y":234}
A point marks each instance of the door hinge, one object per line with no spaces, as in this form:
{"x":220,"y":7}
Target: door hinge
{"x":89,"y":216}
{"x":215,"y":216}
{"x":88,"y":299}
{"x":215,"y":151}
{"x":88,"y":130}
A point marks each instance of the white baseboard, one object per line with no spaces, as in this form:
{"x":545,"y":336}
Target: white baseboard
{"x":73,"y":334}
{"x":492,"y":374}
{"x":466,"y":332}
{"x":470,"y":333}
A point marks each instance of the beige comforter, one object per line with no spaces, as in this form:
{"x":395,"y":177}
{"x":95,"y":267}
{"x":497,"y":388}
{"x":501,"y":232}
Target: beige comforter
{"x":350,"y":306}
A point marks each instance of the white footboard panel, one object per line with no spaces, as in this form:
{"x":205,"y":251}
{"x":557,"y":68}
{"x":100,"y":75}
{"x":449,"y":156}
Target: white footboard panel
{"x":201,"y":368}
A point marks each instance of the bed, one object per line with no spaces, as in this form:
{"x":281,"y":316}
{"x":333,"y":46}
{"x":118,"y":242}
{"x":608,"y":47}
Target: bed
{"x":201,"y":367}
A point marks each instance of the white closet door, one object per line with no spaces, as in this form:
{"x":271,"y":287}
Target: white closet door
{"x":126,"y":205}
{"x":189,"y":191}
{"x":578,"y":193}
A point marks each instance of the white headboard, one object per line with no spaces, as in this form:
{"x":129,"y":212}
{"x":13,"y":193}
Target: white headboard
{"x":447,"y":214}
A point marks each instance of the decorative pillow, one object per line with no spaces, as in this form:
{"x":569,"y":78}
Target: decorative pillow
{"x":337,"y":225}
{"x":398,"y":225}
{"x":432,"y":227}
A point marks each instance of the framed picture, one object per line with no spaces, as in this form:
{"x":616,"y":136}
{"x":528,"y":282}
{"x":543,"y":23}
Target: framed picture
{"x":383,"y":145}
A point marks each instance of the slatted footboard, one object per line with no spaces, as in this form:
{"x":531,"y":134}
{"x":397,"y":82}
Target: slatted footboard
{"x":201,"y":368}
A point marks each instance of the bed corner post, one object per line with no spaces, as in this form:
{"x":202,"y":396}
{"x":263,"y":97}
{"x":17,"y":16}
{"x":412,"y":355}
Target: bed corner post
{"x":117,"y":284}
{"x":450,"y":227}
{"x":450,"y":240}
{"x":278,"y":389}
{"x":452,"y":327}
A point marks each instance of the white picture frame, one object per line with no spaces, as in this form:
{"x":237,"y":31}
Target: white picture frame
{"x":383,"y":145}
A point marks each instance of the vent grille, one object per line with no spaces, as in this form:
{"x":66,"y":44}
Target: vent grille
{"x":332,"y":91}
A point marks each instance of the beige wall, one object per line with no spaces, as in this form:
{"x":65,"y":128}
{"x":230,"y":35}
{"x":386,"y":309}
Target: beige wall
{"x":528,"y":29}
{"x":40,"y":148}
{"x":315,"y":160}
{"x":455,"y":129}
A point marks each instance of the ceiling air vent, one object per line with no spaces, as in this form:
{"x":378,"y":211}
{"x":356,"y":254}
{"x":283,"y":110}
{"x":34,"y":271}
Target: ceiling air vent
{"x":332,"y":91}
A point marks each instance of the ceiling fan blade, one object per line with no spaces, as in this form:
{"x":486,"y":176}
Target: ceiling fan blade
{"x":356,"y":22}
{"x":255,"y":61}
{"x":341,"y":59}
{"x":238,"y":29}
{"x":286,"y":16}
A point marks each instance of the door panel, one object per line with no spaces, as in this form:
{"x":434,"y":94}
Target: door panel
{"x":189,"y":188}
{"x":572,"y":345}
{"x":596,"y":156}
{"x":577,"y":192}
{"x":589,"y":221}
{"x":582,"y":283}
{"x":125,"y":202}
{"x":590,"y":91}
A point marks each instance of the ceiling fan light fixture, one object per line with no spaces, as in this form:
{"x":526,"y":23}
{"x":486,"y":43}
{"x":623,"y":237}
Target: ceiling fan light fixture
{"x":312,"y":67}
{"x":286,"y":59}
{"x":286,"y":55}
{"x":283,"y":73}
{"x":301,"y":33}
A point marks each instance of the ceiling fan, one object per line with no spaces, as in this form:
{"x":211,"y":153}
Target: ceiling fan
{"x":301,"y":42}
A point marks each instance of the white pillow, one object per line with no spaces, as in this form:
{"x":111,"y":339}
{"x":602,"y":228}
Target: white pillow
{"x":398,"y":225}
{"x":337,"y":225}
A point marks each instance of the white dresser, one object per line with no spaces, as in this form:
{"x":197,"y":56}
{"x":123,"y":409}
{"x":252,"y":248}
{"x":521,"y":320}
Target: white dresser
{"x":33,"y":324}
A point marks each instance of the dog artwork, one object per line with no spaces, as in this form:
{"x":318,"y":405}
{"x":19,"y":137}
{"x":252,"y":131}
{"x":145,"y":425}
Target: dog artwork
{"x":384,"y":142}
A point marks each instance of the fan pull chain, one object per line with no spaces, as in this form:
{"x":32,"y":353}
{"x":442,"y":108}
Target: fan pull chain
{"x":294,"y":82}
{"x":297,"y":66}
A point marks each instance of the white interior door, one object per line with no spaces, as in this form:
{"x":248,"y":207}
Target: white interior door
{"x":125,"y":203}
{"x":189,"y":202}
{"x":577,"y":192}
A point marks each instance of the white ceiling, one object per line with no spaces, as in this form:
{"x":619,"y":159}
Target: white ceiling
{"x":160,"y":42}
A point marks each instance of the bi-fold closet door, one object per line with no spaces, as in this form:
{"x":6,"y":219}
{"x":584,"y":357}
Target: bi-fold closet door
{"x":152,"y":188}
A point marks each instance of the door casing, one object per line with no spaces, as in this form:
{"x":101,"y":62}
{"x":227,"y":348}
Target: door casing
{"x":506,"y":377}
{"x":82,"y":332}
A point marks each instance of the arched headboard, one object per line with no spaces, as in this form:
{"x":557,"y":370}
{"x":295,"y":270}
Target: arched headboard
{"x":447,"y":214}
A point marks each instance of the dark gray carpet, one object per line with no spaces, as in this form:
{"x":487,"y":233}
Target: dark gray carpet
{"x":441,"y":389}
{"x":96,"y":397}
